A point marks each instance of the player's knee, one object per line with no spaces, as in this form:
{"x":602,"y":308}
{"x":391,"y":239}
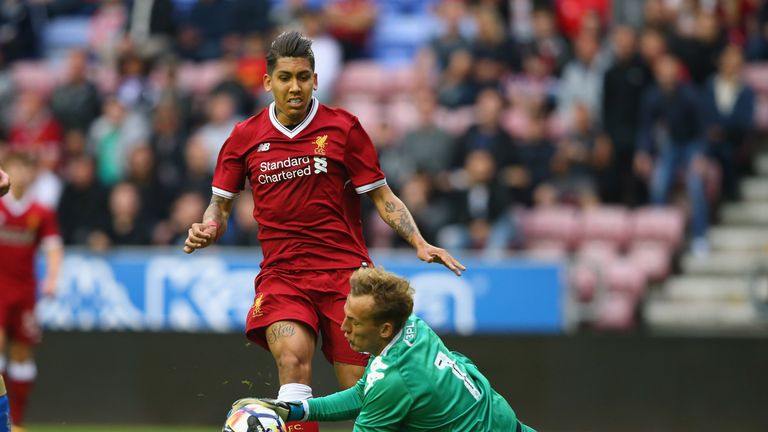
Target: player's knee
{"x":290,"y":362}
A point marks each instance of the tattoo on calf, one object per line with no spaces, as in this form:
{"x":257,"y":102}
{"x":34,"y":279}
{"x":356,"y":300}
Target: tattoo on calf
{"x":280,"y":330}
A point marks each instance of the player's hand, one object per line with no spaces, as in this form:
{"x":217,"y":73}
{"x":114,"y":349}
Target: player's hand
{"x":200,"y":235}
{"x":5,"y":183}
{"x":49,"y":287}
{"x":433,"y":254}
{"x":288,"y":411}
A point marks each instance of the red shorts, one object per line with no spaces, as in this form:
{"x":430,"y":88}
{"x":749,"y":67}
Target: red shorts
{"x":313,"y":297}
{"x":17,"y":318}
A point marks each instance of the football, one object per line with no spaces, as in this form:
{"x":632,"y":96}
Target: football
{"x":254,"y":418}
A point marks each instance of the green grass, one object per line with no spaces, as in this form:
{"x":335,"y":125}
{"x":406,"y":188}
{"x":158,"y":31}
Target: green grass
{"x":91,"y":428}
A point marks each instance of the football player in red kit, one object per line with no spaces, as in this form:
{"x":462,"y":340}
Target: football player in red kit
{"x":307,"y":165}
{"x":25,"y":226}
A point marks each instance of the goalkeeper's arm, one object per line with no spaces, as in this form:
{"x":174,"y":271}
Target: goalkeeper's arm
{"x":343,"y":405}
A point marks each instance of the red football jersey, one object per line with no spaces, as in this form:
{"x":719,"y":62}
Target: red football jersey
{"x":24,"y":225}
{"x":306,"y":184}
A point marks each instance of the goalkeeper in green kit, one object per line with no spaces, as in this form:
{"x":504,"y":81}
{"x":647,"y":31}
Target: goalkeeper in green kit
{"x":412,"y":382}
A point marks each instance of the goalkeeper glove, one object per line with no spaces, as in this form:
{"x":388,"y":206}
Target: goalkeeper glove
{"x":288,"y":411}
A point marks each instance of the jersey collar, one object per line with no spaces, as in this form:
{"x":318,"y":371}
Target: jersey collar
{"x":391,"y":343}
{"x":17,"y":207}
{"x":300,"y":127}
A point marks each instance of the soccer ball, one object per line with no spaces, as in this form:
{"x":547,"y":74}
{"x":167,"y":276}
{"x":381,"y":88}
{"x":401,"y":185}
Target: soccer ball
{"x":254,"y":418}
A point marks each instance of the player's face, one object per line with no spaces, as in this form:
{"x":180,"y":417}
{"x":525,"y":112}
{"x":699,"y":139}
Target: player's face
{"x":360,"y":329}
{"x":291,"y":83}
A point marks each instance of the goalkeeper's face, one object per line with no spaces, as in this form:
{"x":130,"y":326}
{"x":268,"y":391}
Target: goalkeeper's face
{"x":363,"y":333}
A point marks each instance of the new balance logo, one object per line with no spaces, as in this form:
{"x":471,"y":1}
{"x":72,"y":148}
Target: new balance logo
{"x":321,"y":165}
{"x":263,"y":147}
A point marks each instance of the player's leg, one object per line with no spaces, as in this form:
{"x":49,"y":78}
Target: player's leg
{"x":348,"y":364}
{"x":292,"y":345}
{"x":22,"y":372}
{"x":23,"y":334}
{"x":347,"y":374}
{"x":283,"y":320}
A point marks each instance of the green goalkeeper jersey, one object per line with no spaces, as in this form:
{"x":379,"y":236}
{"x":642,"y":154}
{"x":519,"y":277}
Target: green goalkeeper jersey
{"x":416,"y":384}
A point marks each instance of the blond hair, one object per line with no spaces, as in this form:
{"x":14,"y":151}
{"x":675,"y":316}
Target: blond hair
{"x":392,"y":294}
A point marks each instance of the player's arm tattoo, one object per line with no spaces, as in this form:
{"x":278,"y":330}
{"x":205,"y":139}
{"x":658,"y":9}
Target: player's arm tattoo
{"x":400,"y":219}
{"x":279,"y":331}
{"x":218,"y":209}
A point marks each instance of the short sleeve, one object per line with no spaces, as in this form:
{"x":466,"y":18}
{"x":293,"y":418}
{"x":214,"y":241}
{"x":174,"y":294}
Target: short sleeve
{"x":361,"y":161}
{"x":49,"y":230}
{"x":230,"y":172}
{"x":386,"y":406}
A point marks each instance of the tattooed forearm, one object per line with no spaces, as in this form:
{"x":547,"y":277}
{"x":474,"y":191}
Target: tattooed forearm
{"x":280,"y":330}
{"x":400,"y":219}
{"x":218,"y":209}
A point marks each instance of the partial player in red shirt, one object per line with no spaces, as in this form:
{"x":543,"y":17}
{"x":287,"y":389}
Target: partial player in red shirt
{"x":307,"y":165}
{"x":25,"y":226}
{"x":5,"y":417}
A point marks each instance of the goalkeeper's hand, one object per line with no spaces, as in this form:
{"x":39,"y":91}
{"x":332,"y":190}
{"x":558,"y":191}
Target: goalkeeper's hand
{"x":288,"y":411}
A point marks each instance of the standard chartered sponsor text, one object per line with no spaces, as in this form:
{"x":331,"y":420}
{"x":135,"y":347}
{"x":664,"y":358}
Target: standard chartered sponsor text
{"x":284,"y":175}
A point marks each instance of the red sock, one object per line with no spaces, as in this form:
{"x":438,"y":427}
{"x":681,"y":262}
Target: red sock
{"x":303,"y":427}
{"x":20,"y":380}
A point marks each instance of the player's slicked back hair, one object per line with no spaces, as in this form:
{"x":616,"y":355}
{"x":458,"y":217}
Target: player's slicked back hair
{"x":290,"y":44}
{"x":392,"y":295}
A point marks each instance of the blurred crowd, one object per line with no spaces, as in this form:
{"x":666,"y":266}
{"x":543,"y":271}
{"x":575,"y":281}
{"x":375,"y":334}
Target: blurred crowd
{"x":499,"y":106}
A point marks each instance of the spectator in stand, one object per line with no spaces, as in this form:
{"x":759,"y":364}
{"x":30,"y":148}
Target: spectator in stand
{"x":76,"y":103}
{"x":653,"y":46}
{"x":452,"y":34}
{"x":582,"y":79}
{"x":487,"y":133}
{"x":202,"y":35}
{"x":672,"y":127}
{"x":479,"y":204}
{"x":251,"y":17}
{"x":700,"y":52}
{"x":20,"y":38}
{"x":494,"y":53}
{"x":757,"y":39}
{"x":83,"y":205}
{"x":150,"y":27}
{"x":623,"y":86}
{"x":251,"y":67}
{"x":133,"y":87}
{"x":729,"y":111}
{"x":112,"y":137}
{"x":547,"y":42}
{"x":533,"y":160}
{"x":167,"y":143}
{"x":351,"y":23}
{"x":222,"y":118}
{"x":573,"y":13}
{"x":106,"y":30}
{"x":142,"y":172}
{"x":456,"y":88}
{"x":127,"y":225}
{"x":233,"y":85}
{"x":35,"y":131}
{"x":328,"y":52}
{"x":198,"y":173}
{"x":535,"y":89}
{"x":170,"y":91}
{"x":580,"y":168}
{"x":185,"y":210}
{"x":427,"y":148}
